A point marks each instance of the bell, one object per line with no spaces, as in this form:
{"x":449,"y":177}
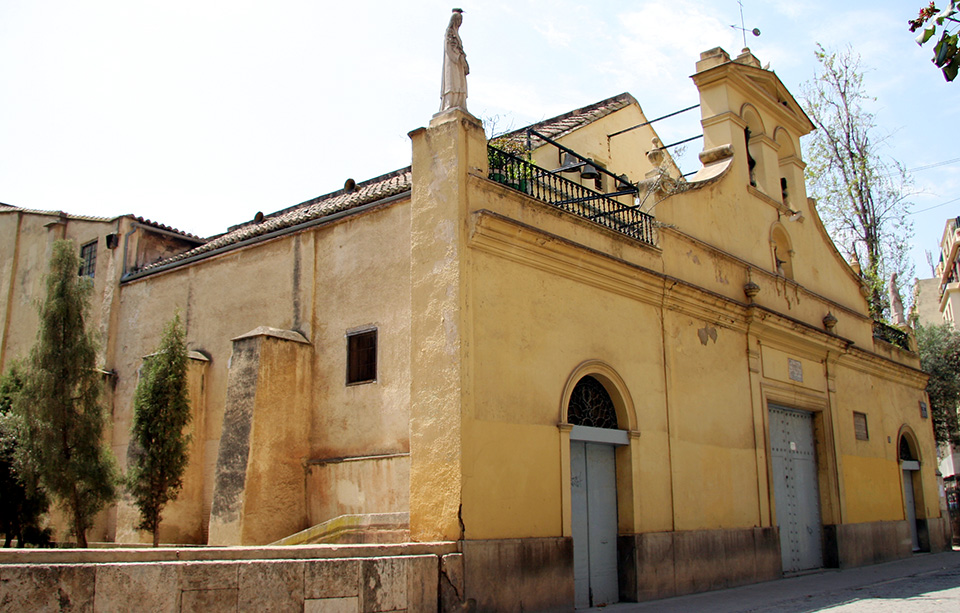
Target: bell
{"x":570,"y":163}
{"x":589,"y":172}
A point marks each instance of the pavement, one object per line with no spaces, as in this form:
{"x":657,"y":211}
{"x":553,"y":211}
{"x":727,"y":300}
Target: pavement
{"x":918,"y":584}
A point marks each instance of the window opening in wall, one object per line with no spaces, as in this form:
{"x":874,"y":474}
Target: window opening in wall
{"x":88,"y":259}
{"x":782,"y":254}
{"x":860,"y":426}
{"x":362,"y":356}
{"x":591,"y":405}
{"x":905,"y":452}
{"x":751,"y":163}
{"x":784,"y":193}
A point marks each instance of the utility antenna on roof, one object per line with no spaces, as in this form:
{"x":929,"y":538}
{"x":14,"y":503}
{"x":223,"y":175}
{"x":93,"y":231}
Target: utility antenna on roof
{"x":742,"y":28}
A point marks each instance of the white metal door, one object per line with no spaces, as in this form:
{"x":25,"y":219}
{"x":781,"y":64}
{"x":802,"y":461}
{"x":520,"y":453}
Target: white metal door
{"x":911,"y":505}
{"x":795,"y":487}
{"x":593,"y":487}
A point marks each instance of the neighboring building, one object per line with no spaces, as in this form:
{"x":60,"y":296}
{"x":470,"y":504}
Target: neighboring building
{"x":602,"y":381}
{"x":948,"y":272}
{"x":110,"y":248}
{"x":937,"y":302}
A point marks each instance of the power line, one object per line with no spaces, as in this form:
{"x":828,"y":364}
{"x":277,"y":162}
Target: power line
{"x":933,"y":207}
{"x":934,"y":165}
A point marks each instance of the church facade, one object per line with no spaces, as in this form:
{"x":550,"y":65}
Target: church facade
{"x":601,"y":380}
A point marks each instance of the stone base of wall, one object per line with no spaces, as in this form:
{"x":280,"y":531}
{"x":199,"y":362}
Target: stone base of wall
{"x":531,"y":574}
{"x":333,"y":584}
{"x":940,"y":534}
{"x":664,"y":564}
{"x":849,"y":545}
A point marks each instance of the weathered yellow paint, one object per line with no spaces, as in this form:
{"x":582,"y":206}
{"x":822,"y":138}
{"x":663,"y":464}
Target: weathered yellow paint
{"x":511,"y":480}
{"x":490,"y":306}
{"x":873,"y":489}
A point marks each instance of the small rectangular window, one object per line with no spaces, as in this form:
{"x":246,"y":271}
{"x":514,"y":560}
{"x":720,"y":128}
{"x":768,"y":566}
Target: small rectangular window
{"x":362,"y":356}
{"x":860,"y":426}
{"x":88,"y":259}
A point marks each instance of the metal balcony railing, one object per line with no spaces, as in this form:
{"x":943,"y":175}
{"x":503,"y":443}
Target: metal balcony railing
{"x":891,"y":335}
{"x":566,"y":195}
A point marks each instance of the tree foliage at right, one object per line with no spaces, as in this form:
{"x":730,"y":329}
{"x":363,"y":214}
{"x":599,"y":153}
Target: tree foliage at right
{"x":60,"y":416}
{"x":161,"y":412}
{"x":22,"y":500}
{"x":939,"y":348}
{"x":946,"y":51}
{"x":862,"y":198}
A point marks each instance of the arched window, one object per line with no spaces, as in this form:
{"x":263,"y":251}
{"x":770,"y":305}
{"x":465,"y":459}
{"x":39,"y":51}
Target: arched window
{"x":591,"y":405}
{"x":782,"y":251}
{"x":906,"y":450}
{"x":753,"y":129}
{"x":786,"y":152}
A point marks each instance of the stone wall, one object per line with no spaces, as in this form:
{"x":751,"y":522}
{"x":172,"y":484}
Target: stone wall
{"x":665,"y":564}
{"x":345,"y":579}
{"x":851,"y":545}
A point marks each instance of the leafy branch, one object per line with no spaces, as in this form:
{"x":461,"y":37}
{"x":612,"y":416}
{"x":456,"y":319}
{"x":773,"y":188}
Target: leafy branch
{"x":945,"y":52}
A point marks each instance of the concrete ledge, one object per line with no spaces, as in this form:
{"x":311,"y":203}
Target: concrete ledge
{"x":286,"y":335}
{"x":664,"y":564}
{"x":531,"y":574}
{"x":366,"y":528}
{"x":198,"y":554}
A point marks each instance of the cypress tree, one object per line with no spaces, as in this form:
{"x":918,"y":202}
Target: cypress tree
{"x":61,"y":417}
{"x":161,"y":412}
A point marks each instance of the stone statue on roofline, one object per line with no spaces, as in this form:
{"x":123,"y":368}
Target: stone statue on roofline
{"x":896,"y":304}
{"x":453,"y":90}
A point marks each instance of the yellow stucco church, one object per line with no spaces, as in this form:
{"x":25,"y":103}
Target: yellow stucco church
{"x":595,"y":379}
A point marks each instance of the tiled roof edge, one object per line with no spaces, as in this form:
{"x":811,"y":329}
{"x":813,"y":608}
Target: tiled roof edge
{"x":291,"y":218}
{"x":9,"y":208}
{"x":359,"y":186}
{"x":155,"y":224}
{"x":614,"y":103}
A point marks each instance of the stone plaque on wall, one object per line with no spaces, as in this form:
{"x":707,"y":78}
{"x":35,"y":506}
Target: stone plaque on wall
{"x":923,"y":409}
{"x":796,"y":369}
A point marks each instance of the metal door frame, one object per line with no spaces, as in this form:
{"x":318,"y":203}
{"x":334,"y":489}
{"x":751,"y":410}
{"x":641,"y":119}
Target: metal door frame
{"x":775,"y":515}
{"x":613,"y":439}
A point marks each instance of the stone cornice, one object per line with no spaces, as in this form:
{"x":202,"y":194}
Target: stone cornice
{"x":507,"y":238}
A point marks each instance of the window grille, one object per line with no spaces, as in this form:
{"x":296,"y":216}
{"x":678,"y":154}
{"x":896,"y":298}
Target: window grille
{"x":362,"y":357}
{"x":88,"y":259}
{"x":591,"y":405}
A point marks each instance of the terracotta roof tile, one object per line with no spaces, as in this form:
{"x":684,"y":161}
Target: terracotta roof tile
{"x":160,"y":226}
{"x":381,"y":187}
{"x":568,"y":122}
{"x":9,"y":208}
{"x":366,"y":192}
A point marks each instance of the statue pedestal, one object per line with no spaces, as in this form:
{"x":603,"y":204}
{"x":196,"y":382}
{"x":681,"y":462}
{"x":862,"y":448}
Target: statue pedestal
{"x":454,"y":114}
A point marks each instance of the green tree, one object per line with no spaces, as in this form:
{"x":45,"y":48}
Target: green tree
{"x":22,"y":501}
{"x":939,"y":348}
{"x":862,"y":199}
{"x":161,"y":412}
{"x":61,"y":418}
{"x":945,"y":52}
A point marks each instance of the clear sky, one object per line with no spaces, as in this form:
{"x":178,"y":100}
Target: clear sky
{"x":199,"y":114}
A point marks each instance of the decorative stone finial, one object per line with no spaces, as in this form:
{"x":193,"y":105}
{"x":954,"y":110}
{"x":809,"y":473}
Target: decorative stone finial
{"x":751,"y":289}
{"x":453,"y":88}
{"x":829,"y":322}
{"x":655,"y":155}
